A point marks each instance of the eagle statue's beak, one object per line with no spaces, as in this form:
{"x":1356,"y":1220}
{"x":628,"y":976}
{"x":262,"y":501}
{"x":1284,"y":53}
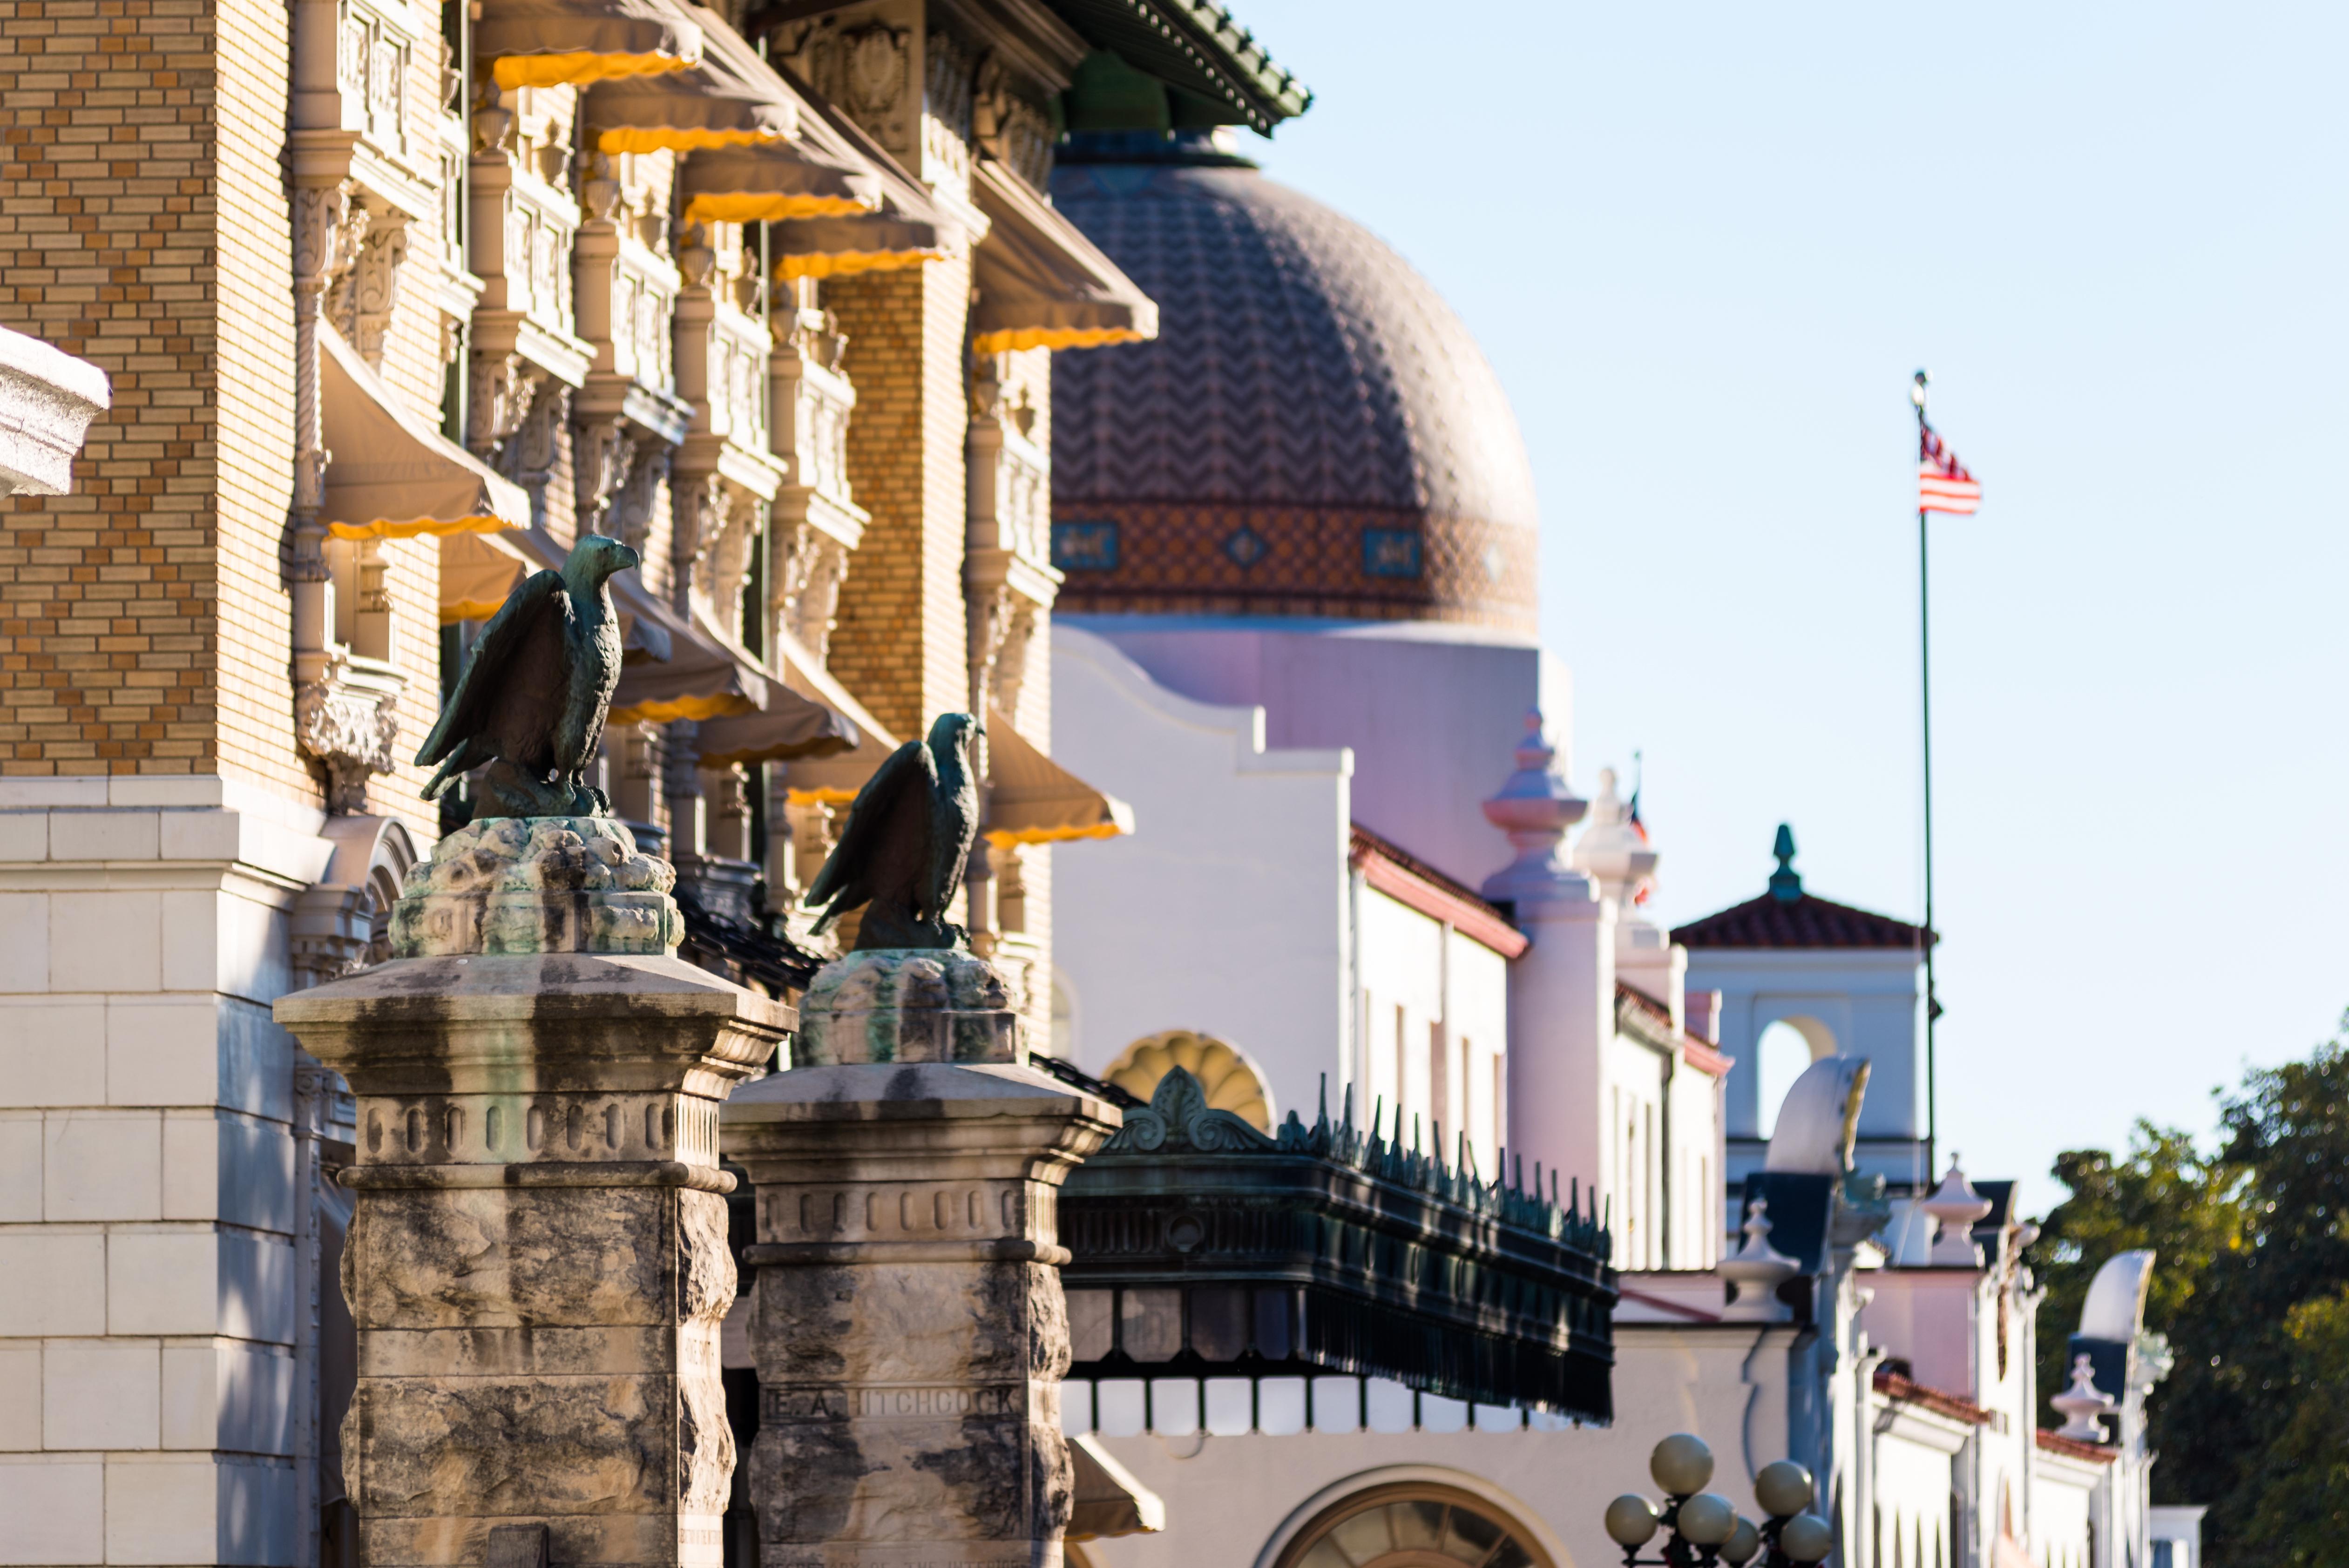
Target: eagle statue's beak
{"x":629,"y":558}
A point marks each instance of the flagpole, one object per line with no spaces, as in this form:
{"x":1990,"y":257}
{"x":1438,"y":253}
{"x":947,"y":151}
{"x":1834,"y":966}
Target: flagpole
{"x":1925,"y":692}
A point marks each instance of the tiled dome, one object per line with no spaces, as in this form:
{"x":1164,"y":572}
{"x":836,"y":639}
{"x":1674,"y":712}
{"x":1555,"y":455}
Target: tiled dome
{"x":1313,"y":433}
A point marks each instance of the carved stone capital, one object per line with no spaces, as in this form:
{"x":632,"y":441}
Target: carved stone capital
{"x":350,"y":720}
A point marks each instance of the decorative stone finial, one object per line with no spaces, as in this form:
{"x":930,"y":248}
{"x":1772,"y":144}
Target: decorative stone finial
{"x":1611,"y":851}
{"x":537,"y":885}
{"x":1757,"y":1269}
{"x":1957,"y":1208}
{"x":1534,"y":808}
{"x":1786,"y":882}
{"x":2084,"y":1405}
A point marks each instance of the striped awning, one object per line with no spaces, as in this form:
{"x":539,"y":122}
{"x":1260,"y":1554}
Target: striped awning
{"x":774,"y":182}
{"x":730,"y":98}
{"x":392,"y":475}
{"x":1040,"y":283}
{"x":1032,"y":799}
{"x":555,"y":43}
{"x":905,"y":228}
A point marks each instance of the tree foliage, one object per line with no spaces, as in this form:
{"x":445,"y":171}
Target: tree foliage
{"x":2250,"y":1285}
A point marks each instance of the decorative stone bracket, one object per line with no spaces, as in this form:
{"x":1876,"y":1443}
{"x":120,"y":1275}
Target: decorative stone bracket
{"x":348,"y":718}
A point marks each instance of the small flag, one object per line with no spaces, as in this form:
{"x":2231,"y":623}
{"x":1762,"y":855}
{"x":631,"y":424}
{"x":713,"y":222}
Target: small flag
{"x":1646,"y":887}
{"x":1942,"y":482}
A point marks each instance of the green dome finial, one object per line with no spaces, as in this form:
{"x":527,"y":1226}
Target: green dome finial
{"x":1786,"y":882}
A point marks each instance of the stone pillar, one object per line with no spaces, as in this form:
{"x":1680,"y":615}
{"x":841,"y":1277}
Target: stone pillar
{"x":537,"y":1262}
{"x":908,"y":1323}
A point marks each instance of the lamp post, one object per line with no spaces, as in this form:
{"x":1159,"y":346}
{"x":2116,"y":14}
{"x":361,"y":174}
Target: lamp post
{"x":1704,"y":1528}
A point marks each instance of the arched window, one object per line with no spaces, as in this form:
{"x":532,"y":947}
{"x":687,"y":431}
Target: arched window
{"x":1411,"y":1525}
{"x":1230,"y":1083}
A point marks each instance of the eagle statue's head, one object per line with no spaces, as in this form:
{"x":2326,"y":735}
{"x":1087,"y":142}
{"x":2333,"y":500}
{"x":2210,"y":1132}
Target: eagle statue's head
{"x":593,"y":559}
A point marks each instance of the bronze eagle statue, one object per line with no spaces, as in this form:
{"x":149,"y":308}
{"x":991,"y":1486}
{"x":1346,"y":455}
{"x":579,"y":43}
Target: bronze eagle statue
{"x":532,"y":699}
{"x":908,"y":839}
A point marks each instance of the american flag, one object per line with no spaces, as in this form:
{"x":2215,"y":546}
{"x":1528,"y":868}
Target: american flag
{"x":1942,"y":482}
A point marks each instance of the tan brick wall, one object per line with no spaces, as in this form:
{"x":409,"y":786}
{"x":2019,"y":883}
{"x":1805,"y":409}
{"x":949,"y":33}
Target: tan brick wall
{"x":903,"y":635}
{"x":109,"y":197}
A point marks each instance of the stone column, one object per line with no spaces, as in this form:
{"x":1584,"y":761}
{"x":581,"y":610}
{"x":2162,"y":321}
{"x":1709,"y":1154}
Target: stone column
{"x":908,"y":1323}
{"x":537,"y":1262}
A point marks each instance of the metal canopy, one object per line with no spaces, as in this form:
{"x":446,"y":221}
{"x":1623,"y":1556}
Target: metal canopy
{"x":1040,"y":283}
{"x":1202,"y":1248}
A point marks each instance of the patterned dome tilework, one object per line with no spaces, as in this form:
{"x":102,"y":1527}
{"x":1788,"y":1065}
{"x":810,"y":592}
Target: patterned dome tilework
{"x":1307,"y":386}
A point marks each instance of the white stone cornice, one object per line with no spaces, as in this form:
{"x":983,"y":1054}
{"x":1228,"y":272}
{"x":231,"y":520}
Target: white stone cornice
{"x":48,"y":399}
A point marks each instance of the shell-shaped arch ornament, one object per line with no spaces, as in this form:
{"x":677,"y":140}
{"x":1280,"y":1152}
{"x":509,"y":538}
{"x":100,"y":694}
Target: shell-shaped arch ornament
{"x":1224,"y":1075}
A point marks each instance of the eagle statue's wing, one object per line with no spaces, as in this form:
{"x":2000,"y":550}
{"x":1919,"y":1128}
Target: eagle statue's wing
{"x":954,"y":827}
{"x":477,"y":688}
{"x":845,"y":880}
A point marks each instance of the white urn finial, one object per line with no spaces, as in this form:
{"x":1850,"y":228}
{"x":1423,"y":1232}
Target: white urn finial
{"x":2084,"y":1406}
{"x":1534,"y":808}
{"x":1757,"y":1269}
{"x":1957,"y":1208}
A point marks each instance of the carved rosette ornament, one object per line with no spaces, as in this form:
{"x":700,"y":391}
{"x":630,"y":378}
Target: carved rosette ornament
{"x":349,"y":721}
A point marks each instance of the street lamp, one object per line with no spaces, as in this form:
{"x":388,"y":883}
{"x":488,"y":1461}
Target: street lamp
{"x":1704,"y":1527}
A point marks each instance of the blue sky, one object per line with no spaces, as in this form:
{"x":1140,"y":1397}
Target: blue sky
{"x":1704,"y":246}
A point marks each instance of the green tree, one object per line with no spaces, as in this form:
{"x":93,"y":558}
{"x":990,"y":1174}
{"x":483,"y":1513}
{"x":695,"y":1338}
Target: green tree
{"x":2252,"y":1286}
{"x":2186,"y":1206}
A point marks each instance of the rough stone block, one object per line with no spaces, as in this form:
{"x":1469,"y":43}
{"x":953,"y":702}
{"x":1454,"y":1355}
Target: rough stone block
{"x":909,"y":1329}
{"x":55,"y":1509}
{"x":101,"y":1394}
{"x":537,"y":1264}
{"x":102,"y":1165}
{"x":909,"y":1004}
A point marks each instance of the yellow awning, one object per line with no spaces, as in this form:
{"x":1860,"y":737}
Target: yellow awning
{"x":837,"y":247}
{"x":907,"y":228}
{"x":774,"y":184}
{"x":1032,"y":799}
{"x":475,"y":578}
{"x":702,"y":678}
{"x":552,"y":43}
{"x":390,"y":474}
{"x":1040,"y":283}
{"x":730,"y":98}
{"x":790,"y":727}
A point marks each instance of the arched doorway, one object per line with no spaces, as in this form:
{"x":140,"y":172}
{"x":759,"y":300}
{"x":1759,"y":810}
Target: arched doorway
{"x":1413,"y":1525}
{"x":1229,"y":1082}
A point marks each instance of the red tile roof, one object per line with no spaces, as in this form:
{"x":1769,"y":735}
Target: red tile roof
{"x":1893,"y":1386}
{"x":2057,"y":1443}
{"x":1804,"y":920}
{"x":1412,"y":882}
{"x":1699,"y":1053}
